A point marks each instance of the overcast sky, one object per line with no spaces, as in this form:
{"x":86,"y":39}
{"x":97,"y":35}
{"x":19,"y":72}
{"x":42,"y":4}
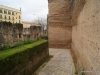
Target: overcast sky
{"x":28,"y":7}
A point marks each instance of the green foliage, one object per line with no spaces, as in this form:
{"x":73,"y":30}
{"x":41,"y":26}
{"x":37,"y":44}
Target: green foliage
{"x":19,"y":49}
{"x":5,"y":23}
{"x":18,"y":44}
{"x":83,"y":73}
{"x":28,"y":41}
{"x":44,"y":37}
{"x":21,"y":55}
{"x":6,"y":46}
{"x":76,"y":71}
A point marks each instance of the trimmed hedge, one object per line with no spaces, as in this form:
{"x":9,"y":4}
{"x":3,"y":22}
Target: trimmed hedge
{"x":44,"y":37}
{"x":20,"y":55}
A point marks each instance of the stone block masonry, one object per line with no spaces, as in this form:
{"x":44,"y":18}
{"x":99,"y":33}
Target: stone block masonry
{"x":77,"y":23}
{"x":59,"y":21}
{"x":86,"y":38}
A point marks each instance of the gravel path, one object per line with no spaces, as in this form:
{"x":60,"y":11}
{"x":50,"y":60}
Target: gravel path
{"x":60,"y":64}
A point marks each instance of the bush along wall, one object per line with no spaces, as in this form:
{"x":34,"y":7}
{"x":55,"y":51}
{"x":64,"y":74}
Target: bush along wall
{"x":44,"y":37}
{"x":23,"y":60}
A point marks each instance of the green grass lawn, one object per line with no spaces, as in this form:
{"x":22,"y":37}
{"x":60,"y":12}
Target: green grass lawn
{"x":6,"y":53}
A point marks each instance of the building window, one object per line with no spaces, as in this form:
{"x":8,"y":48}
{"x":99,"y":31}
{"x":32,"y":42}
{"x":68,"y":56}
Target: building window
{"x":9,"y":12}
{"x":19,"y":21}
{"x":5,"y":11}
{"x":0,"y":16}
{"x":12,"y":18}
{"x":0,"y":11}
{"x":12,"y":13}
{"x":5,"y":17}
{"x":19,"y":17}
{"x":9,"y":17}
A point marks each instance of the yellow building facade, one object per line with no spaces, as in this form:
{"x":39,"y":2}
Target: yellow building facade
{"x":9,"y":14}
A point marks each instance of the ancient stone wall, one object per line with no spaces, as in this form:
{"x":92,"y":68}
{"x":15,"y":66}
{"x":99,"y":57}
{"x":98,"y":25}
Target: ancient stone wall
{"x":25,"y":61}
{"x":59,"y":23}
{"x":17,"y":33}
{"x":84,"y":17}
{"x":35,"y":32}
{"x":31,"y":30}
{"x":86,"y":37}
{"x":76,"y":8}
{"x":10,"y":34}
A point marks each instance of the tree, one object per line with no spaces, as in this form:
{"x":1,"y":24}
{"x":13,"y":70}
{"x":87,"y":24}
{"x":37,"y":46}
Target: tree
{"x":43,"y":22}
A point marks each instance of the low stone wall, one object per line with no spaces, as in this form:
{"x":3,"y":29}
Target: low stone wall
{"x":10,"y":34}
{"x":59,"y":23}
{"x":24,"y":62}
{"x":35,"y":32}
{"x":31,"y":30}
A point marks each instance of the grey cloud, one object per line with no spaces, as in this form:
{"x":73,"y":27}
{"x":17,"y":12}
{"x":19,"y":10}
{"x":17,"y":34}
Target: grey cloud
{"x":29,"y":7}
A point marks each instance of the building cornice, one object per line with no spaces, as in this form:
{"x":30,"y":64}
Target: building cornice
{"x":9,"y":8}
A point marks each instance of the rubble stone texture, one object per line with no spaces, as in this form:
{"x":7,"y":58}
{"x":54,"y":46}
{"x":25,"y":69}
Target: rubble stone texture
{"x":10,"y":34}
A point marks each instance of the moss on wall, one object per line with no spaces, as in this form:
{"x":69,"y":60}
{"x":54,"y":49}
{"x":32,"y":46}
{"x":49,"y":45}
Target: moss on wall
{"x":21,"y":56}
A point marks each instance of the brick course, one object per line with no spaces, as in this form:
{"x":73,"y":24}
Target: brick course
{"x":84,"y":36}
{"x":59,"y":21}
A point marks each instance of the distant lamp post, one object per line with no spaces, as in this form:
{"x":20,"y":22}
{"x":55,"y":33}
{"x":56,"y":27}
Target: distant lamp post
{"x":37,"y":16}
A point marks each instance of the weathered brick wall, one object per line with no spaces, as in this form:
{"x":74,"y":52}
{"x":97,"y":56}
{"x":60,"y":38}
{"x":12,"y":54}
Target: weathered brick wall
{"x":84,"y":17}
{"x":59,"y":21}
{"x":86,"y":38}
{"x":77,"y":6}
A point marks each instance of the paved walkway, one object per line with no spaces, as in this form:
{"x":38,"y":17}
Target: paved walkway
{"x":60,"y":64}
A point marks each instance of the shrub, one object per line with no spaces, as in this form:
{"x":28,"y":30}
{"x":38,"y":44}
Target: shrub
{"x":28,"y":41}
{"x":20,"y":56}
{"x":6,"y":46}
{"x":76,"y":71}
{"x":18,"y":44}
{"x":44,"y":37}
{"x":83,"y":73}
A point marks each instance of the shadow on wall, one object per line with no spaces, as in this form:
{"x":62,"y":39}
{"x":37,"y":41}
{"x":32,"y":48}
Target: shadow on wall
{"x":77,"y":6}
